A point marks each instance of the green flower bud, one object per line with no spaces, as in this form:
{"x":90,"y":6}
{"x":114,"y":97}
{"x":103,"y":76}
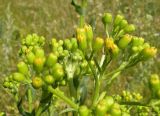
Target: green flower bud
{"x":22,"y":68}
{"x":23,"y":49}
{"x":6,"y":84}
{"x":154,"y":82}
{"x":37,"y":82}
{"x":30,"y":57}
{"x":109,"y":101}
{"x":137,"y":41}
{"x":148,"y":52}
{"x":135,"y":49}
{"x":60,"y":42}
{"x":124,"y":41}
{"x":107,"y":18}
{"x":101,"y":108}
{"x":83,"y":111}
{"x":58,"y":72}
{"x":39,"y":52}
{"x":74,"y":43}
{"x":84,"y":64}
{"x":129,"y":28}
{"x":98,"y":44}
{"x":60,"y":50}
{"x":18,"y":77}
{"x":115,"y":110}
{"x":49,"y":79}
{"x":123,"y":24}
{"x":51,"y":60}
{"x":41,"y":41}
{"x":38,"y":63}
{"x":65,"y":52}
{"x":118,"y":19}
{"x":53,"y":41}
{"x":67,"y":44}
{"x":35,"y":39}
{"x":146,"y":45}
{"x":89,"y":33}
{"x":28,"y":40}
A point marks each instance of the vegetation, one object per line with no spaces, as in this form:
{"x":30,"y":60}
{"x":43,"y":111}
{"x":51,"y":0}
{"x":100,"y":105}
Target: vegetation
{"x":52,"y":75}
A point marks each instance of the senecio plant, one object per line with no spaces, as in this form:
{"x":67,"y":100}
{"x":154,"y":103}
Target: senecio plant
{"x":59,"y":76}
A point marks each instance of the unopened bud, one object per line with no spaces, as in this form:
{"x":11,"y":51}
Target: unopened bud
{"x":81,"y":38}
{"x":137,"y":41}
{"x":118,"y":19}
{"x":123,"y":23}
{"x":154,"y":82}
{"x":148,"y":52}
{"x":107,"y":18}
{"x":89,"y":33}
{"x":124,"y":41}
{"x":98,"y":44}
{"x":129,"y":28}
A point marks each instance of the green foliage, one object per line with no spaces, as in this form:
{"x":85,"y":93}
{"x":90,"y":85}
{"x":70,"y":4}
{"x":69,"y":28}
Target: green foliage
{"x":120,"y":49}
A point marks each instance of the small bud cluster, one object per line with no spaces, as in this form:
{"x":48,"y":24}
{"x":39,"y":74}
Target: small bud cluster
{"x":108,"y":106}
{"x":131,"y":97}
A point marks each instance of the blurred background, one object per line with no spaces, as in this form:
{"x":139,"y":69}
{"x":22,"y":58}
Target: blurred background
{"x":57,"y":18}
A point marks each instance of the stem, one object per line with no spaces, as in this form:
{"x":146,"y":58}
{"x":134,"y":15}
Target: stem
{"x":39,"y":111}
{"x":92,"y":69}
{"x":82,"y":16}
{"x":119,"y":69}
{"x":113,"y":77}
{"x":72,"y":89}
{"x":16,"y":97}
{"x":155,"y":103}
{"x":96,"y":93}
{"x":97,"y":65}
{"x":60,"y":95}
{"x":81,"y":21}
{"x":107,"y":31}
{"x":30,"y":99}
{"x":106,"y":61}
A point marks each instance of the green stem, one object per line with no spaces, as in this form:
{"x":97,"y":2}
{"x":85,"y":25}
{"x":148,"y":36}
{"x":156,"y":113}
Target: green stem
{"x":96,"y":93}
{"x":82,"y":16}
{"x":113,"y":77}
{"x":119,"y":69}
{"x":107,"y":31}
{"x":16,"y":97}
{"x":81,"y":21}
{"x":30,"y":99}
{"x":72,"y":89}
{"x":97,"y":85}
{"x":60,"y":95}
{"x":97,"y":65}
{"x":155,"y":103}
{"x":39,"y":111}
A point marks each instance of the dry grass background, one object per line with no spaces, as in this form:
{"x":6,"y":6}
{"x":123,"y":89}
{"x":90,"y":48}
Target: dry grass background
{"x":57,"y":18}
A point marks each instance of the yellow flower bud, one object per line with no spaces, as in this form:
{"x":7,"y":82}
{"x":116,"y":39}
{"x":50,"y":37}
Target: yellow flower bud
{"x":89,"y":33}
{"x":112,"y":47}
{"x":81,"y":38}
{"x":148,"y":52}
